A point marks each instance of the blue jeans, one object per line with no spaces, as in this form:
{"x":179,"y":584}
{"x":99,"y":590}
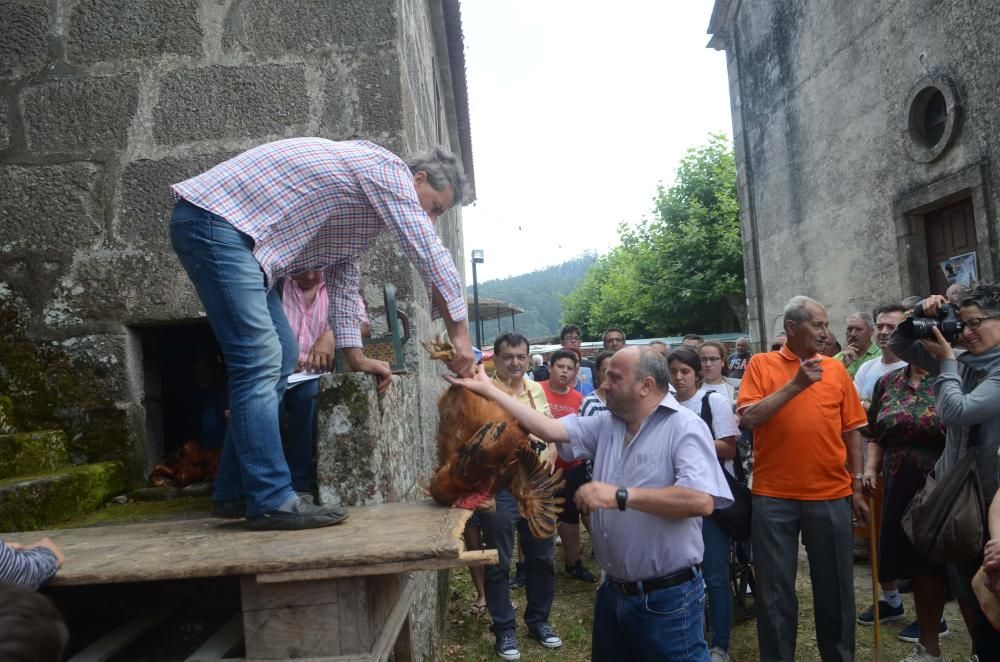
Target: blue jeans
{"x":715,"y":565}
{"x":665,"y":625}
{"x":259,"y":349}
{"x":300,"y":433}
{"x":539,"y":563}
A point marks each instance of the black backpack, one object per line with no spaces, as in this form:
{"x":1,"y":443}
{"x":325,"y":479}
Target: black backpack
{"x":734,"y":520}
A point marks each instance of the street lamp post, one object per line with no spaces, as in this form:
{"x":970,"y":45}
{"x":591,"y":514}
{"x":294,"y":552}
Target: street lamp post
{"x":477,"y":258}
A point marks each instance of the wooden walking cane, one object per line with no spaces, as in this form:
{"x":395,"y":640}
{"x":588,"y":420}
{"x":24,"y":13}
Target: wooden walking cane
{"x":873,"y":552}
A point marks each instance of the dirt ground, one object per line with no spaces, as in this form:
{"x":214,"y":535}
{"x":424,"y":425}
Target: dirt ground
{"x":468,"y":637}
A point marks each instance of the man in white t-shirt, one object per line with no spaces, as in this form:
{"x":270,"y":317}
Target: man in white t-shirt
{"x":886,"y":319}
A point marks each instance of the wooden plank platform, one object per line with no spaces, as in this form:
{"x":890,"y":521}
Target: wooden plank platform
{"x":381,"y":539}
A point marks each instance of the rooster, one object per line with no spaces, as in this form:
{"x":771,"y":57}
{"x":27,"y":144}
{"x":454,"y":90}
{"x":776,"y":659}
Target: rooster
{"x":482,"y":450}
{"x":189,"y":464}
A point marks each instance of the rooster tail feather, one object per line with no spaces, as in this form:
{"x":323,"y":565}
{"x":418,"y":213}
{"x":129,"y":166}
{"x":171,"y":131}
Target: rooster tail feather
{"x":535,"y":488}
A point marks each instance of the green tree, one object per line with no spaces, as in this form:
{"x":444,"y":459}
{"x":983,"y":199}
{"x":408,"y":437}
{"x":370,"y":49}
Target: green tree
{"x":682,"y":269}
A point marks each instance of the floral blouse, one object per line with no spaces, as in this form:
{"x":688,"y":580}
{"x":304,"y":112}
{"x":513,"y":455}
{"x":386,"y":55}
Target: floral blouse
{"x":904,"y":422}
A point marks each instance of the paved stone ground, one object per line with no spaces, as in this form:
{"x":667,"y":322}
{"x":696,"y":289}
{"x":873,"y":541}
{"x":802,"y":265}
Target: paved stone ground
{"x":953,"y":648}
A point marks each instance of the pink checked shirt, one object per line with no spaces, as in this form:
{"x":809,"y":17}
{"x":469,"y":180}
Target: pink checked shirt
{"x":311,"y":203}
{"x":308,"y":322}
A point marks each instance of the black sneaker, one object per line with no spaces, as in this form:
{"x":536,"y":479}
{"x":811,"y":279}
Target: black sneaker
{"x":298,"y":514}
{"x":520,"y":576}
{"x":886,"y":614}
{"x":577,"y":571}
{"x":544,"y":635}
{"x":911,"y":633}
{"x":506,"y":646}
{"x":235,"y":509}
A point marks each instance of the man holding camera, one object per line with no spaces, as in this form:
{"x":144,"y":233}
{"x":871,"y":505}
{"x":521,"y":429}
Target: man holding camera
{"x":968,"y":403}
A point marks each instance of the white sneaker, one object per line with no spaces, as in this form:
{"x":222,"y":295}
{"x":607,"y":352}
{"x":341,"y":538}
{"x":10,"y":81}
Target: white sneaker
{"x":719,"y":655}
{"x":920,"y":654}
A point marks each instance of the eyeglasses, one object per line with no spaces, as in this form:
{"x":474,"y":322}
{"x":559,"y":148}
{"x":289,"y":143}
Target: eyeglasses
{"x":571,"y":338}
{"x":710,"y":359}
{"x":974,"y":322}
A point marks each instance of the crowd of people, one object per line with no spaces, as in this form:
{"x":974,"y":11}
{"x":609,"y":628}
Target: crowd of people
{"x":832,"y":430}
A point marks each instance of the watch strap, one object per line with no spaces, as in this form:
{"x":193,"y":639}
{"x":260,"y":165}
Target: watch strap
{"x":622,"y":497}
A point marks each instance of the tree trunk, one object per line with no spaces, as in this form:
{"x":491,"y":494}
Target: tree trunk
{"x":738,"y":304}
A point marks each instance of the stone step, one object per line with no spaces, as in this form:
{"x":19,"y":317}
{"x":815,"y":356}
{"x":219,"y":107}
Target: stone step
{"x":42,"y":501}
{"x":32,"y":453}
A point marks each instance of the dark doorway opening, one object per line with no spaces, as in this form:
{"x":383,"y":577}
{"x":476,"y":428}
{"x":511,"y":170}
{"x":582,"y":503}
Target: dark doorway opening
{"x":185,"y":390}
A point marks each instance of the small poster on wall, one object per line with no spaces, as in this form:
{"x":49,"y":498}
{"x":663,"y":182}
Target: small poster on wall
{"x":961,"y":269}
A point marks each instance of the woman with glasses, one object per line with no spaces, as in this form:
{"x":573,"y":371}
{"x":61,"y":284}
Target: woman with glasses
{"x":968,"y":402}
{"x":686,"y":372}
{"x":713,"y":369}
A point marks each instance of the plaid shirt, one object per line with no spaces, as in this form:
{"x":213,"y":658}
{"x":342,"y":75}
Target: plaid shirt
{"x":310,"y":203}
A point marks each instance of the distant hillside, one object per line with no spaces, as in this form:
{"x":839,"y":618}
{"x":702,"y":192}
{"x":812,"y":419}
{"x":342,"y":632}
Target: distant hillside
{"x":538,"y":293}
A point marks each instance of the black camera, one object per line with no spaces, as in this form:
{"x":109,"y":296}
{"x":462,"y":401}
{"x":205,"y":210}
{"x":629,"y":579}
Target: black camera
{"x":947,"y":321}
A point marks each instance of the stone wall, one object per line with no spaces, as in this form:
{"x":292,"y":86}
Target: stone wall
{"x":828,"y":185}
{"x":104,"y":104}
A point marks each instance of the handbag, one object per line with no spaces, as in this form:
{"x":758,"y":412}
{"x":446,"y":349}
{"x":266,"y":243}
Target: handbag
{"x":946,"y":520}
{"x":734,"y":520}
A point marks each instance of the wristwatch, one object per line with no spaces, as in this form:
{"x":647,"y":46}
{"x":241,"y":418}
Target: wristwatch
{"x":622,"y":496}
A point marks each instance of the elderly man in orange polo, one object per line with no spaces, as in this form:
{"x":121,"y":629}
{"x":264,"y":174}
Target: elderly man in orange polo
{"x":805,"y":415}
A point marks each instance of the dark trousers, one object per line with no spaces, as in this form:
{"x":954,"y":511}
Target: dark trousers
{"x":498,"y":533}
{"x":300,"y":433}
{"x":825,"y":527}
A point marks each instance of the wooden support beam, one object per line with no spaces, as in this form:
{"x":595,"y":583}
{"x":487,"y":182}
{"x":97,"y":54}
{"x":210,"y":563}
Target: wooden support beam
{"x":220,"y":643}
{"x":465,"y":559}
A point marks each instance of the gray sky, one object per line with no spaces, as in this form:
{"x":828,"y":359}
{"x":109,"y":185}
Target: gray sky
{"x":578,"y":110}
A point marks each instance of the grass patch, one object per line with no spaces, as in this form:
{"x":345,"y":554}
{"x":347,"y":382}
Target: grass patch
{"x":468,"y":638}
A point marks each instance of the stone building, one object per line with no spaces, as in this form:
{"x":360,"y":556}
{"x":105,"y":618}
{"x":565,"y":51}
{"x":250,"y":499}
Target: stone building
{"x":104,"y":104}
{"x":867,"y":139}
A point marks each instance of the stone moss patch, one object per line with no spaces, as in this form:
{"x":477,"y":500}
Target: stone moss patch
{"x":144,"y":511}
{"x":32,"y":453}
{"x":39,"y":502}
{"x":6,"y":415}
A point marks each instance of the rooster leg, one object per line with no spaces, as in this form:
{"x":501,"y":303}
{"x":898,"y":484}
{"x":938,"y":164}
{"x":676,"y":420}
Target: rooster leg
{"x":440,"y":348}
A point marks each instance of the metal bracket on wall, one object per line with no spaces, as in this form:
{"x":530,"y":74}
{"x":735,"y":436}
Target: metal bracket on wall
{"x":388,"y":347}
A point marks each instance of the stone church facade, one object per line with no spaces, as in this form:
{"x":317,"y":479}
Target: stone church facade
{"x":867,"y":137}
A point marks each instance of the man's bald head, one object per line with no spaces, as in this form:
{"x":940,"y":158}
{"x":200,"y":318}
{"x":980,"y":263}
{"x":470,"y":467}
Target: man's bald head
{"x":642,"y":362}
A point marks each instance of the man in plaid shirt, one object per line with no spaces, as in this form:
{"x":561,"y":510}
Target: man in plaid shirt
{"x":277,"y":210}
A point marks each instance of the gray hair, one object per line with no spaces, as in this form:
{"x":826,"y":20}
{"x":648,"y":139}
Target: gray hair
{"x":984,"y":296}
{"x":443,"y":169}
{"x":795,"y":309}
{"x":653,"y":364}
{"x":956,"y":292}
{"x":864,"y":317}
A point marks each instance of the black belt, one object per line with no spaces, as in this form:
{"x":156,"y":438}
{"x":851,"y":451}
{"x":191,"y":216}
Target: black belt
{"x":650,"y":585}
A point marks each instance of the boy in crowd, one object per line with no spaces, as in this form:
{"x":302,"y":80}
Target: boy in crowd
{"x":565,"y":400}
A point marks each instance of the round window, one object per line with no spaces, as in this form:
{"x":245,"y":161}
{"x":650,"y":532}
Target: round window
{"x":931,"y":118}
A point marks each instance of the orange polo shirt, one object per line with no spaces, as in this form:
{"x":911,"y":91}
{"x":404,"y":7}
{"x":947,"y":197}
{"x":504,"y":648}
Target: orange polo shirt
{"x":799,"y":453}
